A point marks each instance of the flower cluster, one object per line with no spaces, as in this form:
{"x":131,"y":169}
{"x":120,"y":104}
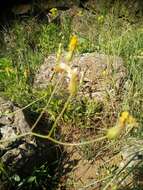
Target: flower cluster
{"x":71,"y":48}
{"x":124,"y":120}
{"x":63,"y":67}
{"x":53,"y":12}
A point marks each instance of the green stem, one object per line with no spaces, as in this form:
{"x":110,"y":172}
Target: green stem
{"x":60,"y":115}
{"x":51,"y":96}
{"x":14,"y":138}
{"x":28,"y":105}
{"x":54,"y":140}
{"x":66,"y":143}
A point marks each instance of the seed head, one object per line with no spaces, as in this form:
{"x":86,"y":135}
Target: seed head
{"x":113,"y":132}
{"x":73,"y":84}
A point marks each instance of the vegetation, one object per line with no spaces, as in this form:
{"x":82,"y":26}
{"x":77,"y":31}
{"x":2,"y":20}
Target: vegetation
{"x":112,"y":31}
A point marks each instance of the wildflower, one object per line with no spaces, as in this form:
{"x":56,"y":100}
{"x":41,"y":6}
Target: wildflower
{"x":63,"y":67}
{"x":73,"y":43}
{"x":113,"y":132}
{"x":73,"y":84}
{"x":125,"y":115}
{"x":123,"y":118}
{"x":58,"y":68}
{"x":54,"y":12}
{"x":71,"y":48}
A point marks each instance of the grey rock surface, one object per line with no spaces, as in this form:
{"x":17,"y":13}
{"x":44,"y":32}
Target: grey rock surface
{"x":19,"y":155}
{"x":100,"y":76}
{"x":132,"y":162}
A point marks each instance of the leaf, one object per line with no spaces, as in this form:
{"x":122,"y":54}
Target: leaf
{"x":16,"y":178}
{"x":31,"y":179}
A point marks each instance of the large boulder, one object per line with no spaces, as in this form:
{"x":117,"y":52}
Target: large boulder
{"x":101,"y":76}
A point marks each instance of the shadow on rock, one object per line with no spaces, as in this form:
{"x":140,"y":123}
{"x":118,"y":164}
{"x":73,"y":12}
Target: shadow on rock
{"x":28,"y":160}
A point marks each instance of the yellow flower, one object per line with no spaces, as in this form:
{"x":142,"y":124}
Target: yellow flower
{"x":127,"y":120}
{"x":71,"y":48}
{"x":54,"y":12}
{"x":123,"y":118}
{"x":125,"y":115}
{"x":58,"y":69}
{"x":73,"y":43}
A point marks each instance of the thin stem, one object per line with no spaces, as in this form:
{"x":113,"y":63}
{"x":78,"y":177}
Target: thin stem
{"x":51,"y":96}
{"x":95,"y":182}
{"x":59,"y":116}
{"x":16,"y":137}
{"x":117,"y":174}
{"x":66,"y":143}
{"x":54,"y":140}
{"x":23,"y":108}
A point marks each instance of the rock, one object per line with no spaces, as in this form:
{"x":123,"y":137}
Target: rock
{"x":132,"y":159}
{"x":60,"y":4}
{"x":101,"y":76}
{"x":11,"y":125}
{"x":132,"y":153}
{"x":20,"y":155}
{"x":43,"y":5}
{"x":22,"y":9}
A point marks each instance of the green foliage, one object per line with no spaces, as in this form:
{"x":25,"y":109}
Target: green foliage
{"x":27,"y":43}
{"x":6,"y":71}
{"x":81,"y":112}
{"x":49,"y":38}
{"x":40,"y":177}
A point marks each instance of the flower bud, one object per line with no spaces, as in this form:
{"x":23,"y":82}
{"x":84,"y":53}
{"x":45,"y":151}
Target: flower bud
{"x":113,"y":132}
{"x":73,"y":84}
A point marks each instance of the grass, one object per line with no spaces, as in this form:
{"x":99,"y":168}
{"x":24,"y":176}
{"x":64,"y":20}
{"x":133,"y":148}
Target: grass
{"x":109,"y":31}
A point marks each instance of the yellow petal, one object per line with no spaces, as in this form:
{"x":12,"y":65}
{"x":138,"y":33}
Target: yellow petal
{"x":123,"y":118}
{"x":73,"y":43}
